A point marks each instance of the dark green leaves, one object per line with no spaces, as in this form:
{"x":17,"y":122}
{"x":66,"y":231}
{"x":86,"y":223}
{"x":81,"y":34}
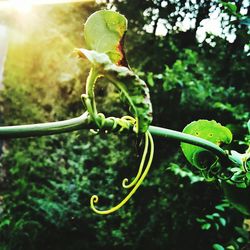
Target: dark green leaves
{"x":238,"y":197}
{"x":209,"y":130}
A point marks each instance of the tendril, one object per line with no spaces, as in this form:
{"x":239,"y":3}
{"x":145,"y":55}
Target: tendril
{"x":94,"y":199}
{"x":100,"y":121}
{"x":145,"y":151}
{"x":122,"y":122}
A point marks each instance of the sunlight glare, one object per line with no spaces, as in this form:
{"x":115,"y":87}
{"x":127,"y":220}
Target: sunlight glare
{"x":23,"y":7}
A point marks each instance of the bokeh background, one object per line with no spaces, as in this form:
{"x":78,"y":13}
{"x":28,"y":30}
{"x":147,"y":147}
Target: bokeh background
{"x":194,"y":56}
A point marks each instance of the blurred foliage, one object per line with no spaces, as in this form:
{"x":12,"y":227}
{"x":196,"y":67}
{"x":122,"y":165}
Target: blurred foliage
{"x":46,"y":183}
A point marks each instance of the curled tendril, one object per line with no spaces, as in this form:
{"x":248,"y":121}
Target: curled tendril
{"x":100,"y":121}
{"x":145,"y":151}
{"x":124,"y":122}
{"x":94,"y":199}
{"x":238,"y":176}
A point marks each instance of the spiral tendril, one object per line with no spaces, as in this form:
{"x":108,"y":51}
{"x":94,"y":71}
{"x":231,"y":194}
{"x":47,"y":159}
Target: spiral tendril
{"x":94,"y":199}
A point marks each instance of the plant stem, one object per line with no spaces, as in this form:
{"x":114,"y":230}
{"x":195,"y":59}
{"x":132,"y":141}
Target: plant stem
{"x":194,"y":140}
{"x":49,"y":128}
{"x":85,"y":122}
{"x":90,"y":86}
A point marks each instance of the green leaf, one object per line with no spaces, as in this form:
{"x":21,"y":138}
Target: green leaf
{"x":232,"y":7}
{"x":218,"y":247}
{"x":240,"y":240}
{"x":223,"y":222}
{"x":220,"y":207}
{"x":206,"y":226}
{"x":132,"y":88}
{"x":200,"y":220}
{"x":104,"y":32}
{"x":231,"y":247}
{"x":209,"y":216}
{"x":216,"y":215}
{"x":150,"y":79}
{"x":217,"y":227}
{"x":211,"y":131}
{"x":5,"y":222}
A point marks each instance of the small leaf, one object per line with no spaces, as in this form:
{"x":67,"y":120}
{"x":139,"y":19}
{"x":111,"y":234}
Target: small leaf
{"x":218,"y":247}
{"x":209,"y":216}
{"x":217,"y":227}
{"x":150,"y":79}
{"x":4,"y":223}
{"x":206,"y":226}
{"x":223,"y":222}
{"x":232,"y":7}
{"x":231,"y":247}
{"x":220,"y":207}
{"x":200,"y":220}
{"x":211,"y":131}
{"x":104,"y":32}
{"x":216,"y":215}
{"x":240,"y":240}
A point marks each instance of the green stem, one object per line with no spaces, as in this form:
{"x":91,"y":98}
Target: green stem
{"x":90,"y":86}
{"x":194,"y":140}
{"x":84,"y":122}
{"x":48,"y":128}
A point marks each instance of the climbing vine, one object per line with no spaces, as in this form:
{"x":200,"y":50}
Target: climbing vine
{"x":201,"y":141}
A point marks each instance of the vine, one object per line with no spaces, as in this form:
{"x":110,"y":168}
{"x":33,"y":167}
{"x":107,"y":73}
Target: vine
{"x":201,"y":140}
{"x":108,"y":61}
